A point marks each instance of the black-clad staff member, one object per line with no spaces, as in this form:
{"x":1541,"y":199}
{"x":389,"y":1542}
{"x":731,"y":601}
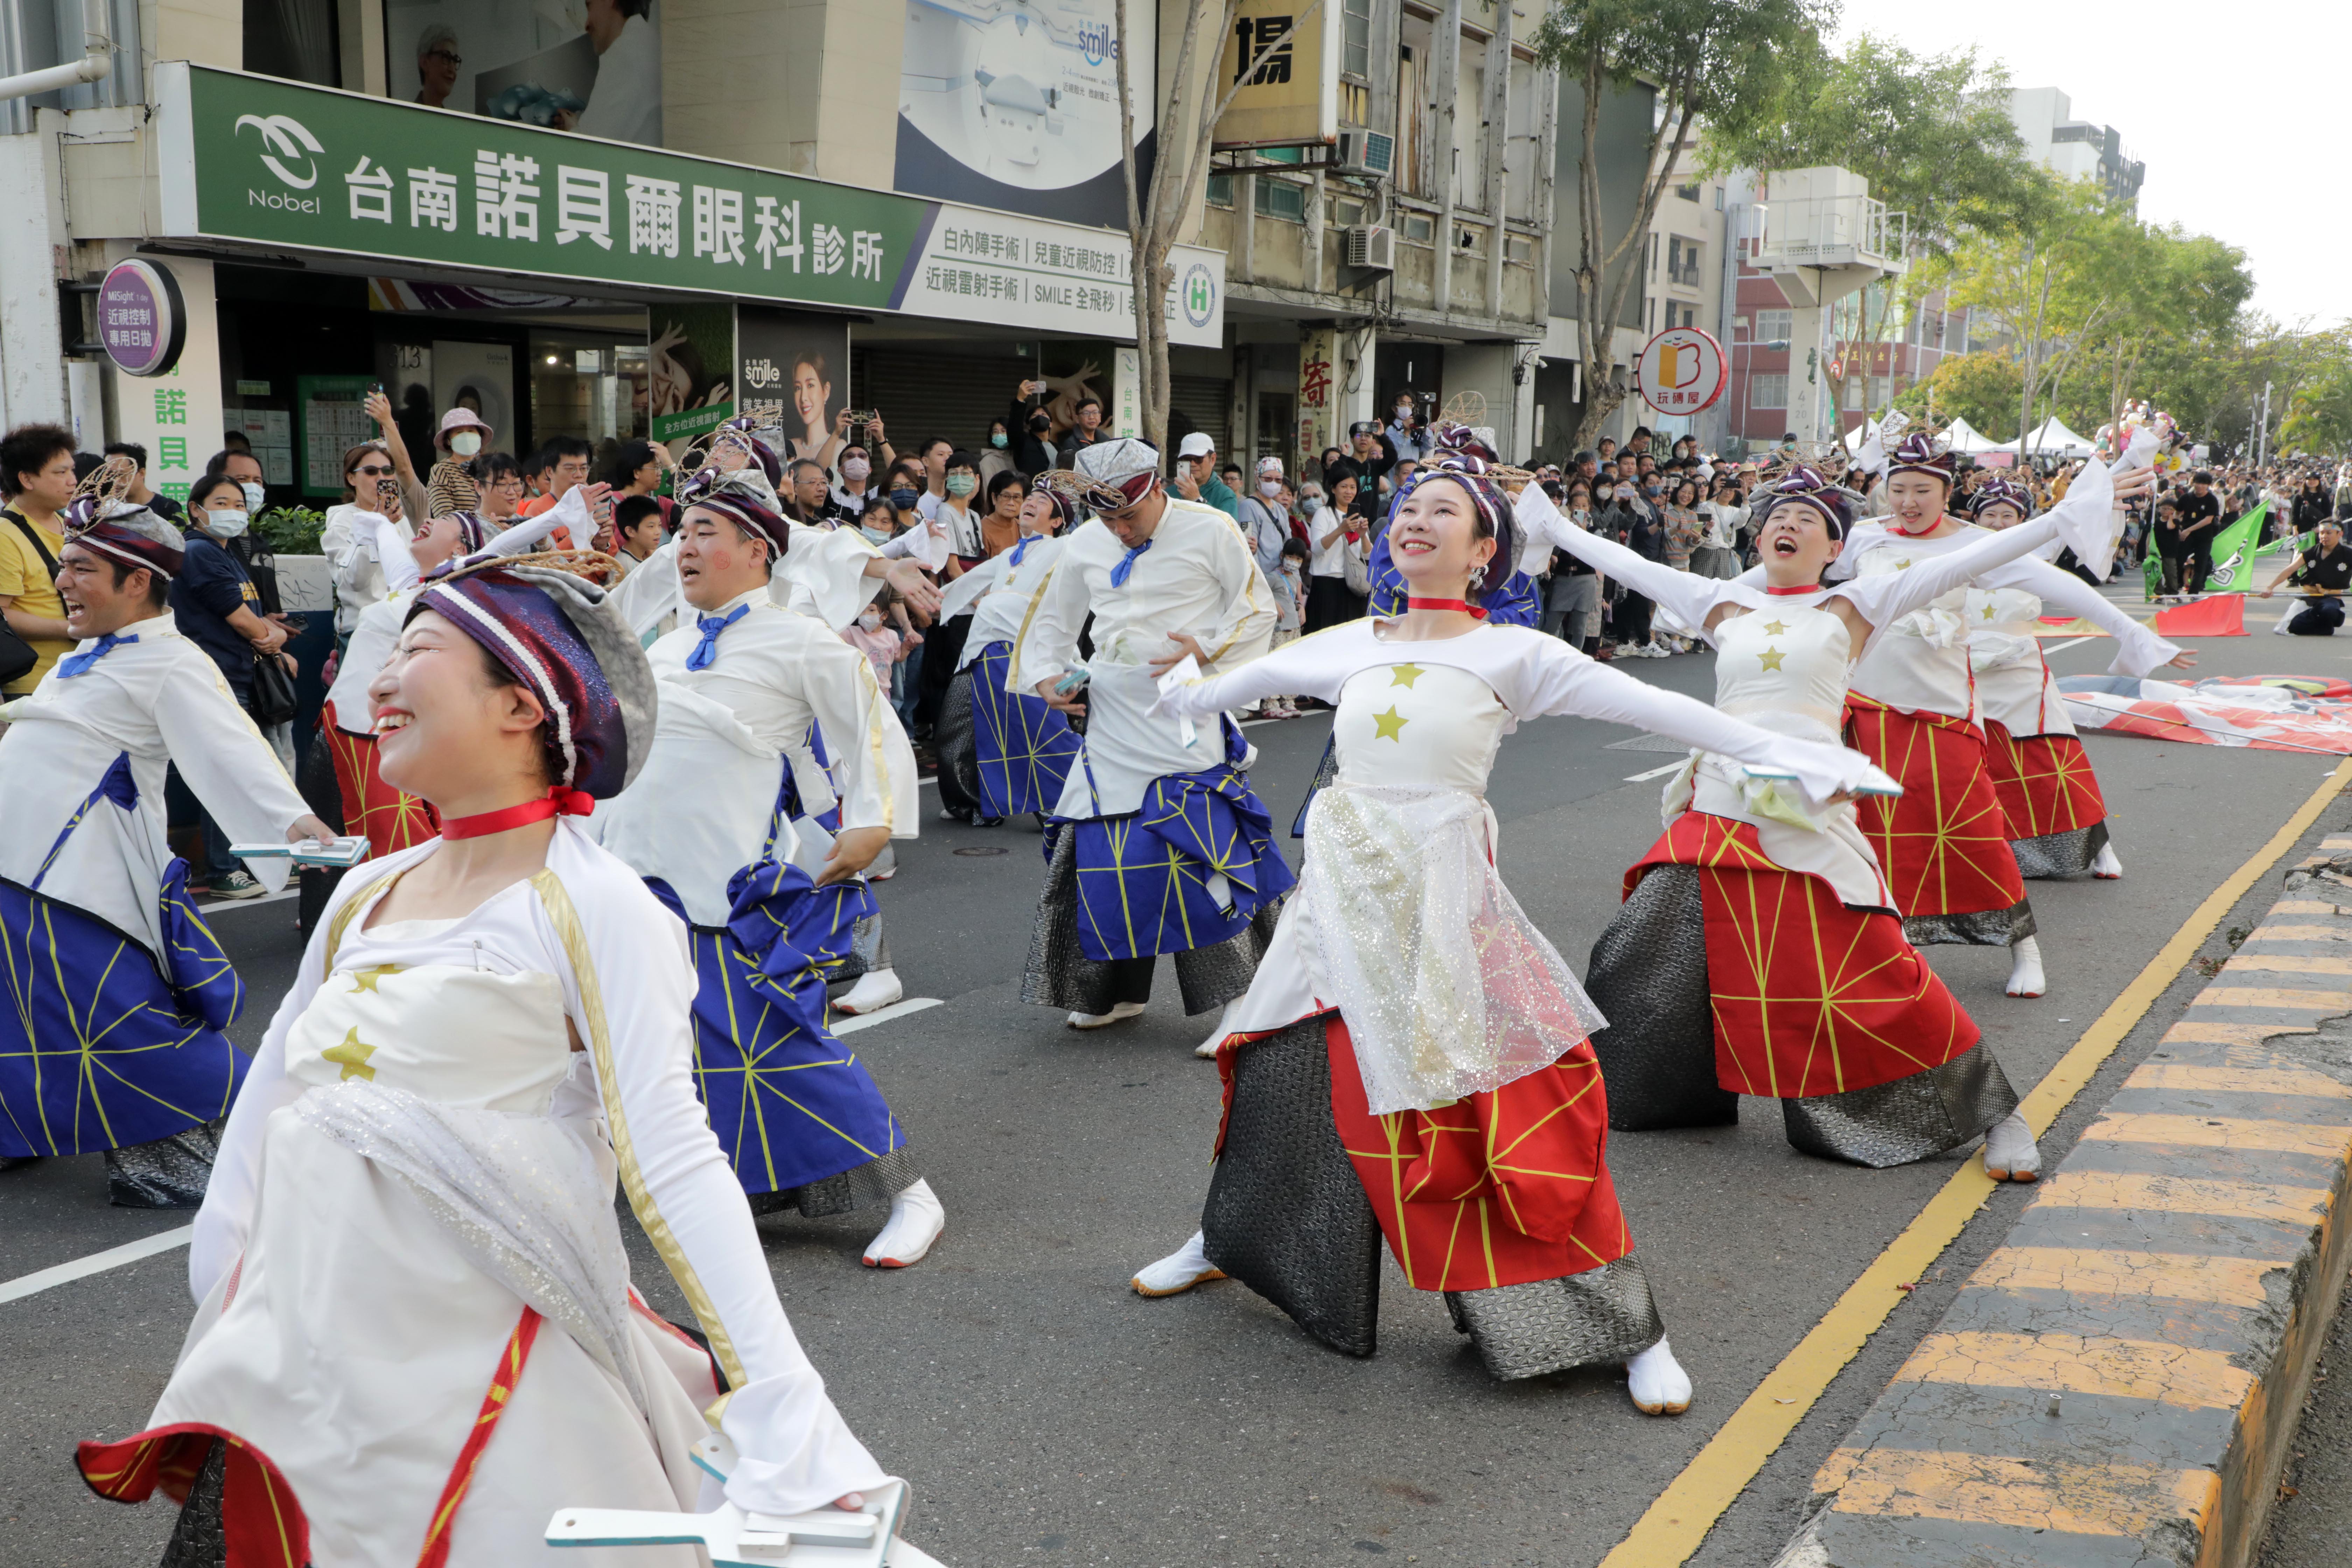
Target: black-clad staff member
{"x":2327,"y":566}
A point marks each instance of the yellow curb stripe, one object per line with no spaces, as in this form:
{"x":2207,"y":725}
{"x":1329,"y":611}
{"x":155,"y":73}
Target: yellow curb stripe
{"x":2266,"y":996}
{"x":1678,"y":1518}
{"x":2306,"y":907}
{"x":2135,"y":1192}
{"x":2152,"y":1276}
{"x":2288,"y":964}
{"x":2209,"y":1031}
{"x":2055,"y":1495}
{"x":2071,"y":1364}
{"x":2239,"y":1080}
{"x":2216,"y":1133}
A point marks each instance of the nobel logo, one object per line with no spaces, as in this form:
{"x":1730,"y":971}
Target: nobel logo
{"x":285,"y":138}
{"x":279,"y":201}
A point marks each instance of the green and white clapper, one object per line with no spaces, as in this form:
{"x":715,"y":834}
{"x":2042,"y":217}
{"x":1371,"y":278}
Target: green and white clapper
{"x":821,"y":1538}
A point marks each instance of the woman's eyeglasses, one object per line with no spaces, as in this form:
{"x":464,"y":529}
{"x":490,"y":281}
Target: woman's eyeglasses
{"x":372,"y":473}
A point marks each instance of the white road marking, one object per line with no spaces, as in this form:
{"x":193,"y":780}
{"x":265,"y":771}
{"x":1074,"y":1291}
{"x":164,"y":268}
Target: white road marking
{"x":851,"y":1024}
{"x":96,"y":1263}
{"x":2062,"y":646}
{"x":1654,"y":773}
{"x":216,"y":906}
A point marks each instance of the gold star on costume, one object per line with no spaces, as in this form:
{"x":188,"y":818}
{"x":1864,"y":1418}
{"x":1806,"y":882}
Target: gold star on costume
{"x":1771,"y":658}
{"x":365,"y":979}
{"x":1390,"y":725}
{"x":352,"y":1055}
{"x":1987,"y":611}
{"x":1406,"y":674}
{"x":1775,"y":629}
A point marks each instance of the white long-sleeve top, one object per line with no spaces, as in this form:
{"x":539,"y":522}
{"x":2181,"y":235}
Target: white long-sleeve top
{"x":363,"y":549}
{"x":1197,"y":576}
{"x":999,"y":591}
{"x":157,"y":701}
{"x":702,"y":808}
{"x":627,"y":983}
{"x":822,"y":573}
{"x":1926,"y":667}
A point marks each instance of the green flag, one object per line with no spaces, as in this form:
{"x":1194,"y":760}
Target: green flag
{"x":2233,"y":553}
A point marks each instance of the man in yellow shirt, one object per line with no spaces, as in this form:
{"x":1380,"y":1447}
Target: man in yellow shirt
{"x":36,"y":474}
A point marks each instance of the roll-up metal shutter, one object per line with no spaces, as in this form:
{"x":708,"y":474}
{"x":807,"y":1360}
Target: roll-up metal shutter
{"x":920,"y":394}
{"x":1199,"y":403}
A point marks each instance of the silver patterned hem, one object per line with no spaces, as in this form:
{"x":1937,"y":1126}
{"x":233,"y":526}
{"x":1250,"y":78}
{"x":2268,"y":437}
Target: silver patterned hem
{"x":1910,"y":1118}
{"x":1287,"y":1216}
{"x":1648,"y":974}
{"x":870,"y":1185}
{"x":1983,"y":928}
{"x":953,"y":744}
{"x":168,"y":1174}
{"x":2055,"y":854}
{"x":1603,"y":1315}
{"x":200,"y":1536}
{"x":1060,"y":975}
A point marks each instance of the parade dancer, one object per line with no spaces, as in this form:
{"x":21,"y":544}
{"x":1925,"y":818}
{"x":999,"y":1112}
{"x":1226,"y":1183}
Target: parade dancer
{"x":1412,"y":1061}
{"x":1002,"y":751}
{"x":828,"y":572}
{"x":114,"y":1033}
{"x":415,"y":1336}
{"x":1943,"y":845}
{"x":1518,"y":603}
{"x":1758,"y":950}
{"x":2049,"y":795}
{"x":771,"y":901}
{"x":1158,"y":844}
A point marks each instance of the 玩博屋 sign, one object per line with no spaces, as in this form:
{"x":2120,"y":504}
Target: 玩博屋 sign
{"x":141,"y":322}
{"x":278,"y":163}
{"x":1681,"y":370}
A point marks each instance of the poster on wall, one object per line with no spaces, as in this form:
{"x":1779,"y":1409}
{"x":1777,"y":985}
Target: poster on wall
{"x":478,"y":377}
{"x":791,"y":371}
{"x":589,"y":65}
{"x":693,"y":371}
{"x":334,"y":420}
{"x":1015,"y":104}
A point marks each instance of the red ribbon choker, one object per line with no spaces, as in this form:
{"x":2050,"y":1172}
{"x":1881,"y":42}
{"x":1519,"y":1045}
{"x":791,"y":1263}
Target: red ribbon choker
{"x":1465,"y":605}
{"x":557,"y":801}
{"x":1814,"y":588}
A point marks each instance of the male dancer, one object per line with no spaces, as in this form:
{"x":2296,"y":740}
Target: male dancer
{"x":769,"y":910}
{"x":114,"y":1034}
{"x":1158,"y":844}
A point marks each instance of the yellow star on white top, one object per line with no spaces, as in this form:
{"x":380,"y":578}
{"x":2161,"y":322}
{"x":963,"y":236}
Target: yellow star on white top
{"x":1389,"y":726}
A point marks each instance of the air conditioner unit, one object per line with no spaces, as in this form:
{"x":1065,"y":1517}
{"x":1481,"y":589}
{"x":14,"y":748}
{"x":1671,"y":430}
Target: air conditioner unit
{"x":1367,"y":154}
{"x":1372,"y":245}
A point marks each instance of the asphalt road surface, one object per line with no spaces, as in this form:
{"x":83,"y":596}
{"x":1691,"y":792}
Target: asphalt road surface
{"x":1045,"y":1413}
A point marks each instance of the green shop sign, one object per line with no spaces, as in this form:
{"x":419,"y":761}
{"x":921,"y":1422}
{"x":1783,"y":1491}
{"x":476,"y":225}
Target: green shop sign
{"x":266,"y":161}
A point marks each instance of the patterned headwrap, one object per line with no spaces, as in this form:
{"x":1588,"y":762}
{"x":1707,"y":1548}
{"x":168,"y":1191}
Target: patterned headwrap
{"x":737,"y":496}
{"x":1922,"y":452}
{"x":743,"y":433}
{"x":1808,"y":486}
{"x":127,"y":534}
{"x":1068,"y":491}
{"x":2000,"y":492}
{"x":471,"y":531}
{"x":1468,"y":470}
{"x":1115,"y":475}
{"x":561,"y":638}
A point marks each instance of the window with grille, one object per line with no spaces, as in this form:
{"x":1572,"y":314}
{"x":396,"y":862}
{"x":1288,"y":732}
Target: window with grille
{"x":1768,"y":392}
{"x":1280,"y":198}
{"x":1682,"y":261}
{"x":1772,"y":326}
{"x":1356,"y":38}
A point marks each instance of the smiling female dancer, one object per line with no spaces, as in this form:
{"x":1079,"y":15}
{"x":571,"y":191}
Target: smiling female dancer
{"x":416,"y":1337}
{"x":1758,"y":950}
{"x":1412,"y":1059}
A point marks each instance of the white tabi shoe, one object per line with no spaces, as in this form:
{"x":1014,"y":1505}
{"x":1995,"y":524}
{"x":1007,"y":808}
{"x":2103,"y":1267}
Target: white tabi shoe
{"x":1178,"y":1271}
{"x":2025,"y":978}
{"x":1208,"y":1048}
{"x":2010,"y":1152}
{"x":1657,"y":1382}
{"x":875,"y":990}
{"x":1120,"y":1011}
{"x":917,"y":1218}
{"x":2105,"y":866}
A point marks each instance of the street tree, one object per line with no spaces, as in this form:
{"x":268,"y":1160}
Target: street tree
{"x":1719,"y":62}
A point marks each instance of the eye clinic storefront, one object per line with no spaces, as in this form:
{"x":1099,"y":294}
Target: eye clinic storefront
{"x":346,"y":237}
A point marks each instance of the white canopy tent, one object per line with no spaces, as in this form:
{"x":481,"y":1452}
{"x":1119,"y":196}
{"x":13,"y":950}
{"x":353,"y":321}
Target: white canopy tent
{"x":2051,"y":438}
{"x":1967,"y":439}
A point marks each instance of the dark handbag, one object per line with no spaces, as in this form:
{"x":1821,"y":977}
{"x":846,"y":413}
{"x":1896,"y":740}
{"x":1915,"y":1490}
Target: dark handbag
{"x":273,"y":691}
{"x":16,"y":656}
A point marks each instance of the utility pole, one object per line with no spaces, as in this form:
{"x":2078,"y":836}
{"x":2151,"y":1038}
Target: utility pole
{"x":2264,"y":455}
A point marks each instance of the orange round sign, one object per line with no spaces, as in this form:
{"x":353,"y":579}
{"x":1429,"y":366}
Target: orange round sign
{"x":1681,"y":370}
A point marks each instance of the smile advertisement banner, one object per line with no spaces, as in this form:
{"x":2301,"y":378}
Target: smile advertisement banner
{"x":278,"y":163}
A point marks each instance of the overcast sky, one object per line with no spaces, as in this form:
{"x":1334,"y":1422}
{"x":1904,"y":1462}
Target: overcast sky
{"x":2245,"y":151}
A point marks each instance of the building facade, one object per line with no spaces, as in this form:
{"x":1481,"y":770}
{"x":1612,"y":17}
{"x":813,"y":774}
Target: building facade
{"x":2075,"y":149}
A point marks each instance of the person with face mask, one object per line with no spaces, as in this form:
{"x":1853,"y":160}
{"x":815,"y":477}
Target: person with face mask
{"x":849,"y":496}
{"x":1033,"y":430}
{"x":1407,"y":435}
{"x":1266,"y":524}
{"x":454,"y":485}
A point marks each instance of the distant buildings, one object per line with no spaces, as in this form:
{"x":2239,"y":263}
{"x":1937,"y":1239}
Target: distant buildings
{"x":2075,"y":149}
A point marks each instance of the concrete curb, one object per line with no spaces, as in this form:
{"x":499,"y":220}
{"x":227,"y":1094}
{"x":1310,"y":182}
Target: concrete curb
{"x":2116,"y":1385}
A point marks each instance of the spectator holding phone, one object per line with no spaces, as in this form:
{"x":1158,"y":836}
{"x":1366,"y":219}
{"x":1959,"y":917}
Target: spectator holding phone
{"x":1031,"y":427}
